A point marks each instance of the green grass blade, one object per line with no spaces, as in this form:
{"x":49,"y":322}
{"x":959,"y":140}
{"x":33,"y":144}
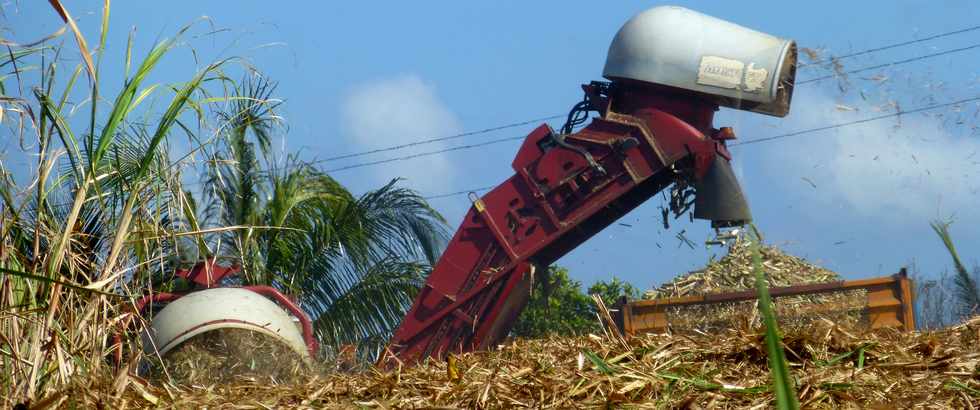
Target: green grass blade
{"x":124,"y":100}
{"x":126,"y":97}
{"x":600,"y":364}
{"x":837,"y":359}
{"x":12,"y":56}
{"x":170,"y":117}
{"x":141,"y":96}
{"x":782,"y":380}
{"x":104,"y":30}
{"x":68,"y":87}
{"x":129,"y":53}
{"x":167,"y":121}
{"x":45,"y":279}
{"x":958,"y":385}
{"x":64,"y":130}
{"x":834,"y":360}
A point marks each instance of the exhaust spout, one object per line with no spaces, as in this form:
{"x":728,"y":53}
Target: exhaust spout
{"x":719,"y":197}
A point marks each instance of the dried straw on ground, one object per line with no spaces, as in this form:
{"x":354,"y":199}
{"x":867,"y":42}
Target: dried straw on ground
{"x":833,"y":367}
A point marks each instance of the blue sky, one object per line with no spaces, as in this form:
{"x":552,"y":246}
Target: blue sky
{"x":362,"y":75}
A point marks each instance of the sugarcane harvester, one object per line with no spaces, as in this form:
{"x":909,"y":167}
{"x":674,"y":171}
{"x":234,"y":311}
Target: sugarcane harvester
{"x":669,"y":71}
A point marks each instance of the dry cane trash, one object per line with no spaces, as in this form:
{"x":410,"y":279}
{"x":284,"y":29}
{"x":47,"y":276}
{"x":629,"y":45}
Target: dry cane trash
{"x":835,"y":364}
{"x":834,"y":367}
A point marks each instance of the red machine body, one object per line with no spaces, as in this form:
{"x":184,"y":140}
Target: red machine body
{"x":565,"y":189}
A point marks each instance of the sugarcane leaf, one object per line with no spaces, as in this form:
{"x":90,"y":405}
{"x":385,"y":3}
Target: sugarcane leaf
{"x":600,"y":364}
{"x":782,"y":379}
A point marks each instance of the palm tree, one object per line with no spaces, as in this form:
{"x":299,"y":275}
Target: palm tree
{"x":354,"y":263}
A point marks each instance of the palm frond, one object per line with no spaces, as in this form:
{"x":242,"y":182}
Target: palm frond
{"x":369,"y":309}
{"x":253,"y":109}
{"x":354,"y":263}
{"x":403,"y":224}
{"x":966,"y":290}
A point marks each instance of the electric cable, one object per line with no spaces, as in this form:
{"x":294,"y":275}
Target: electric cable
{"x":786,"y":135}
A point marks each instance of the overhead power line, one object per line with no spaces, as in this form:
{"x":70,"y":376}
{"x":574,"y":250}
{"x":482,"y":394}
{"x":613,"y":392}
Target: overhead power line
{"x":890,"y":64}
{"x":781,"y":136}
{"x":889,"y":46}
{"x":855,"y":122}
{"x":466,"y":191}
{"x":801,"y":65}
{"x":426,"y":154}
{"x":500,"y":140}
{"x":439,"y":139}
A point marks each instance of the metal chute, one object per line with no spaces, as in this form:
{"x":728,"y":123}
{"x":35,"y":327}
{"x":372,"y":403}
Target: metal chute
{"x":719,"y":198}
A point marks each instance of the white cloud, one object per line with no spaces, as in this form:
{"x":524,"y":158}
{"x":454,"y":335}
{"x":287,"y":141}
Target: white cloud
{"x":395,"y":111}
{"x":913,"y":169}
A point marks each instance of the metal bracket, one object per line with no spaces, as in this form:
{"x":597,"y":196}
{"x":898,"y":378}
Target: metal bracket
{"x":559,"y":140}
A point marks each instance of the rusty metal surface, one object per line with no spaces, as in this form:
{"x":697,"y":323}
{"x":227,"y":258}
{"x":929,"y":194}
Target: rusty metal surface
{"x":889,"y":303}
